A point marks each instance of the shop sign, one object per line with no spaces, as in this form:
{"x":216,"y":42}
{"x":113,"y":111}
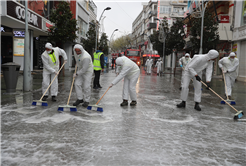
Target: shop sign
{"x":18,"y":12}
{"x":18,"y":46}
{"x":234,"y":48}
{"x":19,"y":33}
{"x":224,"y":19}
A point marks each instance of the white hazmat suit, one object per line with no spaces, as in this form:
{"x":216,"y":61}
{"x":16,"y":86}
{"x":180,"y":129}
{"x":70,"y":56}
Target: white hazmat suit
{"x":130,"y":71}
{"x":84,"y":74}
{"x":195,"y":67}
{"x":159,"y":66}
{"x":51,"y":65}
{"x":183,"y":62}
{"x":149,"y":64}
{"x":229,"y":66}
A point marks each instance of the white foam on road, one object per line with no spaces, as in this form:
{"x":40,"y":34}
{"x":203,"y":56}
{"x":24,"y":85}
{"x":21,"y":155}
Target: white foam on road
{"x":186,"y":120}
{"x":62,"y":117}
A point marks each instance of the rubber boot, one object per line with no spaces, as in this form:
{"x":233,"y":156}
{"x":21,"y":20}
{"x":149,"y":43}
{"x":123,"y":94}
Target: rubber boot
{"x":197,"y":107}
{"x":85,"y":104}
{"x":78,"y":102}
{"x":124,"y":103}
{"x":133,"y":103}
{"x":53,"y":98}
{"x":181,"y":105}
{"x":44,"y":98}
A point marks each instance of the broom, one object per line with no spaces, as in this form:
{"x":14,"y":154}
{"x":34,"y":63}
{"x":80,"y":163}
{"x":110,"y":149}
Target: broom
{"x":238,"y":115}
{"x":72,"y":108}
{"x":44,"y":103}
{"x":96,"y":107}
{"x":232,"y":102}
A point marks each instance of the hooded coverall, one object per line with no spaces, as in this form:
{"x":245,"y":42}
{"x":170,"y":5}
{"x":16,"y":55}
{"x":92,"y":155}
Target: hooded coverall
{"x":195,"y":67}
{"x":159,"y":66}
{"x":84,"y":72}
{"x":183,"y":62}
{"x":50,"y":66}
{"x":130,"y":71}
{"x":229,"y":67}
{"x":149,"y":63}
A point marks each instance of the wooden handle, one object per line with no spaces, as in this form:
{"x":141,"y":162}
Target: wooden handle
{"x":219,"y":97}
{"x":225,"y":85}
{"x":71,"y":86}
{"x":102,"y":96}
{"x":52,"y":81}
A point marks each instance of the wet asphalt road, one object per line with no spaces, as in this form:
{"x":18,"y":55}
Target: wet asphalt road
{"x":155,"y":132}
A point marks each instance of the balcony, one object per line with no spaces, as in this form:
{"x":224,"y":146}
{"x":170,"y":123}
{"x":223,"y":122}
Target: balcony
{"x":152,"y":13}
{"x":178,"y":3}
{"x":177,"y":14}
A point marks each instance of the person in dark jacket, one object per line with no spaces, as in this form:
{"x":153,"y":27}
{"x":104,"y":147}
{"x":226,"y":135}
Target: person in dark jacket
{"x":98,"y":63}
{"x":113,"y":62}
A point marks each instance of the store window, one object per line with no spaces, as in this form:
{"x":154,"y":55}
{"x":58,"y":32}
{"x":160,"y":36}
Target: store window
{"x":82,"y":27}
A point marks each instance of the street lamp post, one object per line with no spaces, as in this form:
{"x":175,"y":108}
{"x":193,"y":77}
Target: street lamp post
{"x":202,"y":15}
{"x":107,"y":8}
{"x":111,"y":36}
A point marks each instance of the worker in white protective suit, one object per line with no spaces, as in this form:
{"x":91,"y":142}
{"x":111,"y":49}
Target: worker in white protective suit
{"x":159,"y":66}
{"x":51,"y":63}
{"x":130,"y":71}
{"x":229,"y":66}
{"x":83,"y":76}
{"x":193,"y":70}
{"x":183,"y":62}
{"x":149,"y":64}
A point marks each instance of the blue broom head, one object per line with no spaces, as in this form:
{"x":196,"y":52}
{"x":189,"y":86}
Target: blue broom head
{"x":233,"y":103}
{"x":73,"y":109}
{"x":238,"y":115}
{"x":100,"y":109}
{"x":44,"y":104}
{"x":34,"y":103}
{"x":60,"y":109}
{"x":222,"y":102}
{"x":89,"y":107}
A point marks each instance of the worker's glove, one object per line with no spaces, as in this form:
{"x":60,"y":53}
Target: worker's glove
{"x":111,"y":86}
{"x":198,"y":78}
{"x":75,"y":75}
{"x":225,"y":71}
{"x":56,"y":72}
{"x":65,"y":61}
{"x":181,"y":65}
{"x":208,"y":86}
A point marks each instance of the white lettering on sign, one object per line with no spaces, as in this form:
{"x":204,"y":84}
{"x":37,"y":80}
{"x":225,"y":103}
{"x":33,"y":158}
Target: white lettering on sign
{"x":32,"y":18}
{"x":2,"y":29}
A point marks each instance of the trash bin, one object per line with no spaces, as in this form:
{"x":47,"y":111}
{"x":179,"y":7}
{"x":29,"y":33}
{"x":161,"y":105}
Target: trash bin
{"x":10,"y":74}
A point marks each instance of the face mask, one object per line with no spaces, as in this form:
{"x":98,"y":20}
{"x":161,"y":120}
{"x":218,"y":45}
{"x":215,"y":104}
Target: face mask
{"x":49,"y":52}
{"x":186,"y":58}
{"x":232,"y":59}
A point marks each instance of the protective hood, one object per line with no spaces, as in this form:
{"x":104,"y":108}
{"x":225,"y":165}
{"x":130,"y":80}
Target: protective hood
{"x":119,"y":61}
{"x":79,"y":47}
{"x":49,"y":46}
{"x":212,"y":54}
{"x":187,"y":55}
{"x":149,"y":57}
{"x":232,"y":54}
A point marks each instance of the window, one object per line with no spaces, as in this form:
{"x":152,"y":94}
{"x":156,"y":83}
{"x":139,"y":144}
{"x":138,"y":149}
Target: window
{"x":243,"y":22}
{"x":82,"y":27}
{"x":165,"y":9}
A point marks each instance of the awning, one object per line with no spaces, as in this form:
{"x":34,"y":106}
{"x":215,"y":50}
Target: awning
{"x":151,"y":55}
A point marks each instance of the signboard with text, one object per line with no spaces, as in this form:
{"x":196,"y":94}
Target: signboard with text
{"x":18,"y":46}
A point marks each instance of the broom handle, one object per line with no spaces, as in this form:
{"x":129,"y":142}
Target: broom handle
{"x":225,"y":84}
{"x":102,"y":96}
{"x":219,"y":97}
{"x":71,"y":86}
{"x":52,"y":81}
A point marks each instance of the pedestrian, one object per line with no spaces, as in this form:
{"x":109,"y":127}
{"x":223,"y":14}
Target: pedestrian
{"x":149,"y":64}
{"x":50,"y":59}
{"x":83,"y":75}
{"x":229,"y":66}
{"x":98,"y":63}
{"x":113,"y":62}
{"x":130,"y":71}
{"x":159,"y":66}
{"x":193,"y":70}
{"x":183,"y":62}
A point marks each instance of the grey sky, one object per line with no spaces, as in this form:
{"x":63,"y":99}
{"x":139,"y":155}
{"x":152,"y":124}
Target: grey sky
{"x":121,"y":15}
